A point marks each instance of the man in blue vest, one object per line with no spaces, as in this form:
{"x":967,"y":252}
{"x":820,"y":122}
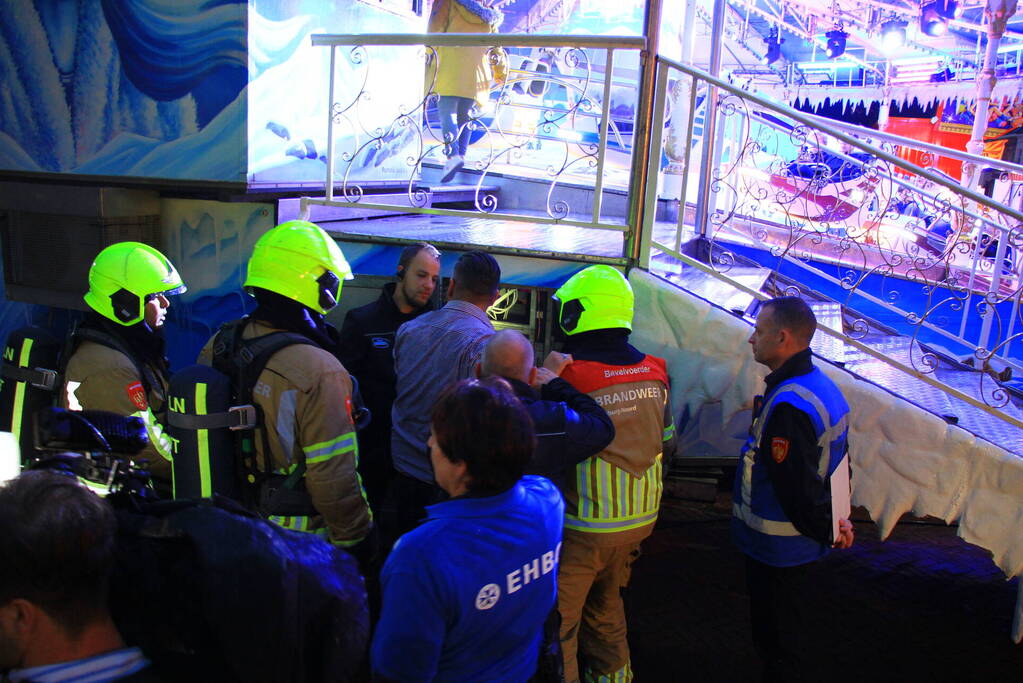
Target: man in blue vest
{"x":781,"y":503}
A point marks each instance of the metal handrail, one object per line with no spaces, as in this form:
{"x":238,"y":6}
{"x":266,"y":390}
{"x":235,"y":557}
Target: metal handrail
{"x":814,"y":123}
{"x":477,"y":40}
{"x":925,"y":377}
{"x":956,"y":154}
{"x":808,"y":120}
{"x":558,"y":212}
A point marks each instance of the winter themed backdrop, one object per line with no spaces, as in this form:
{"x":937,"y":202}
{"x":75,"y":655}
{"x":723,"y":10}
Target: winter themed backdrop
{"x":218,"y":90}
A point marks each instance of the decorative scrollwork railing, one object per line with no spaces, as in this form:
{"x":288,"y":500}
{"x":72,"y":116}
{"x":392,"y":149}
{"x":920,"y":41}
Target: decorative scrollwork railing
{"x":814,"y":204}
{"x":564,"y":102}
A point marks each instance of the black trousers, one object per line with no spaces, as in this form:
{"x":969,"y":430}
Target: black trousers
{"x":411,"y":496}
{"x":777,"y":612}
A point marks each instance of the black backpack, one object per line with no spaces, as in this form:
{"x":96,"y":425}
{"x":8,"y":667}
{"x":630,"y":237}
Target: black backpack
{"x":32,"y":375}
{"x":212,"y":593}
{"x":214,"y":421}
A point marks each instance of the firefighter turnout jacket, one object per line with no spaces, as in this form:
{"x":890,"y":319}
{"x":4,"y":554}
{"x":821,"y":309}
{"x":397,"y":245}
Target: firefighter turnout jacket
{"x":305,"y":397}
{"x":615,"y":494}
{"x":98,"y":377}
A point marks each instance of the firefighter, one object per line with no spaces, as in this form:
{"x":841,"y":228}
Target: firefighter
{"x":117,"y":360}
{"x":611,"y":504}
{"x":306,"y":451}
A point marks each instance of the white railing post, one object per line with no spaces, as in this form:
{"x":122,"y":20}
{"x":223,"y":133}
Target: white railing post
{"x":993,"y":292}
{"x":653,"y":168}
{"x":704,"y":199}
{"x":605,"y":122}
{"x":642,"y":129}
{"x":329,"y":185}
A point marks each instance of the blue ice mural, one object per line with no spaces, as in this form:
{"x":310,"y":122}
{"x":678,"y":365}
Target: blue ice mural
{"x":124,"y":87}
{"x":218,"y":90}
{"x":210,"y":243}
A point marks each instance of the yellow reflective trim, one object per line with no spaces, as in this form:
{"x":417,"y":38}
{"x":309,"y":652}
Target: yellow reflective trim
{"x":202,"y":438}
{"x":638,"y":500}
{"x":19,"y":389}
{"x":325,"y":450}
{"x":582,"y":486}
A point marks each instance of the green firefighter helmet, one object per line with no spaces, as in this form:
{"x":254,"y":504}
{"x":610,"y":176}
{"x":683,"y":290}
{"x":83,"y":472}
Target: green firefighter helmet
{"x":122,"y":277}
{"x":300,"y":261}
{"x":595,"y":298}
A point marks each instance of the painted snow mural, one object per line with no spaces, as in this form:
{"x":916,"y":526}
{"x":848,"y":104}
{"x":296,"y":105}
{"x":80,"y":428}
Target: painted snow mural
{"x":165,"y":89}
{"x":123,"y":87}
{"x":219,"y":90}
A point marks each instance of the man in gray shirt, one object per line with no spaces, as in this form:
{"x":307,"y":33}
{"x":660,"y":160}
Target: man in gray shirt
{"x":430,"y":353}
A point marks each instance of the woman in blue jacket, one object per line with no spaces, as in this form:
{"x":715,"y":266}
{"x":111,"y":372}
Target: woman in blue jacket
{"x":466,"y":594}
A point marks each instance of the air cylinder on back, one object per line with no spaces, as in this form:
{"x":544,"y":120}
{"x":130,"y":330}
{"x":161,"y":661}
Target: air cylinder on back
{"x":30,"y":378}
{"x":204,"y":458}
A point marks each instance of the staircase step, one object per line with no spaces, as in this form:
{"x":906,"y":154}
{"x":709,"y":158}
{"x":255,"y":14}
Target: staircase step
{"x":288,"y":209}
{"x":829,"y":314}
{"x":711,"y":288}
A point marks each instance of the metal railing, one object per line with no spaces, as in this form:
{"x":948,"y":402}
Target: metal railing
{"x":860,"y":223}
{"x":550,"y":120}
{"x":860,"y":220}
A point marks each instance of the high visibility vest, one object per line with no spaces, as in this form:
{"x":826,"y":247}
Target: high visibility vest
{"x":619,"y":489}
{"x":760,"y":527}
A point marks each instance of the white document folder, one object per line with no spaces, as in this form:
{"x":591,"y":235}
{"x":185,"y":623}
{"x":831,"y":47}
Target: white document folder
{"x":841,"y":495}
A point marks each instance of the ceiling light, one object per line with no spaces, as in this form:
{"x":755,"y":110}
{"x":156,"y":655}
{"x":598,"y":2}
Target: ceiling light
{"x":948,"y":9}
{"x":893,"y":35}
{"x":932,"y":22}
{"x":836,"y":43}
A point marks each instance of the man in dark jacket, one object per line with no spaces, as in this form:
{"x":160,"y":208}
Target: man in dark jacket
{"x":782,"y":517}
{"x":570,"y":426}
{"x":367,"y":351}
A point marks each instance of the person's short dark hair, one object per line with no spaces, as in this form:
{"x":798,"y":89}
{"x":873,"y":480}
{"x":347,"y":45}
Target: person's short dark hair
{"x":482,"y":423}
{"x":411,"y":251}
{"x":57,"y":544}
{"x":478,"y":273}
{"x":793,"y":314}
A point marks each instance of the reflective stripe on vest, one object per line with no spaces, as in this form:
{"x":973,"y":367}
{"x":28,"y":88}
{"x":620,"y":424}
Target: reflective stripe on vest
{"x":622,"y":675}
{"x":611,"y":499}
{"x":19,"y":390}
{"x":743,"y":508}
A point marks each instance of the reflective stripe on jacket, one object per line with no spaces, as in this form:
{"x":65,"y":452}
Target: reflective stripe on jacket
{"x":98,"y":377}
{"x":760,"y":525}
{"x":619,"y":489}
{"x":304,"y":394}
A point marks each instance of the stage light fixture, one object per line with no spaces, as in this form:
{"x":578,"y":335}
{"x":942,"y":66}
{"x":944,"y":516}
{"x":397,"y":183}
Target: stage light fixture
{"x":893,"y":35}
{"x":932,"y":22}
{"x":948,"y":9}
{"x":773,"y":43}
{"x":836,"y":43}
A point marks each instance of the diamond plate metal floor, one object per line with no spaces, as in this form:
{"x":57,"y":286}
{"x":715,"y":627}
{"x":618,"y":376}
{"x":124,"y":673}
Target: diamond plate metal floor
{"x":496,"y":231}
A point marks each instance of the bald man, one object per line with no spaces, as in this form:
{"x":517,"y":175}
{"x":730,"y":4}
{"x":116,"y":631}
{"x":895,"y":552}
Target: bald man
{"x":570,"y":426}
